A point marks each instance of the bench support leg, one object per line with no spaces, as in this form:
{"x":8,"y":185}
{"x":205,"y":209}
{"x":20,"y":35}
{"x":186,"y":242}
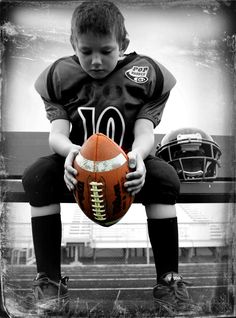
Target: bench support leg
{"x":126,"y":255}
{"x":94,"y":255}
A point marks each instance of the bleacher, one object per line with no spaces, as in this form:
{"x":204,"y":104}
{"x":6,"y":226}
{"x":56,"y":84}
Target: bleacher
{"x":78,"y":230}
{"x":197,"y":230}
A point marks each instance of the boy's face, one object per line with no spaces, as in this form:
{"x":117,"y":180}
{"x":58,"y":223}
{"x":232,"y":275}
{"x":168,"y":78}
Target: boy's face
{"x":98,"y":55}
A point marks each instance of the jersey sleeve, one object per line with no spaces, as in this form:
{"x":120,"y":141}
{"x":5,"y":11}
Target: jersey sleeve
{"x":153,"y":109}
{"x":48,"y":87}
{"x":54,"y":111}
{"x":169,"y":80}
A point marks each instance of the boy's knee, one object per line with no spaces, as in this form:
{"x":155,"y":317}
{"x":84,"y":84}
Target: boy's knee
{"x":173,"y":179}
{"x":170,"y":185}
{"x":27,"y":179}
{"x":42,"y":182}
{"x":162,"y":184}
{"x":35,"y":177}
{"x":164,"y":175}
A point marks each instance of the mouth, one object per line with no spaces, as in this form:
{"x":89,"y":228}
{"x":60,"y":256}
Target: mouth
{"x":97,"y":73}
{"x":97,"y":70}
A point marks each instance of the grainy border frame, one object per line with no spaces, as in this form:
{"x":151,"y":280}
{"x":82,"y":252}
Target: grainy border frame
{"x":228,"y":6}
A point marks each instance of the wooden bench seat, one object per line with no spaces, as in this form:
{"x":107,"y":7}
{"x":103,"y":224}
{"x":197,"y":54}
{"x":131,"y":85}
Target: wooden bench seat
{"x":20,"y":149}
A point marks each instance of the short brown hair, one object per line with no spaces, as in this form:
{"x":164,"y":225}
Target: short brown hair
{"x":99,"y":17}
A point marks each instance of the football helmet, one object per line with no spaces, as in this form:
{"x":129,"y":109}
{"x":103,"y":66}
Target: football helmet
{"x":192,"y":152}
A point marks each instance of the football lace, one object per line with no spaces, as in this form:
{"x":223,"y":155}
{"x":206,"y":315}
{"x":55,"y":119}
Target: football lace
{"x":97,"y":200}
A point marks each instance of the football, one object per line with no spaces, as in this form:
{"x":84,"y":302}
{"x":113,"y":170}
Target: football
{"x":100,"y":193}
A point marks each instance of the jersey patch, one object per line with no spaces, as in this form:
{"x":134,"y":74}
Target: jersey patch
{"x":138,"y":74}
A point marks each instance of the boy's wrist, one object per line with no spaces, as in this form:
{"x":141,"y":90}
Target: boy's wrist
{"x":74,"y":149}
{"x":139,"y":152}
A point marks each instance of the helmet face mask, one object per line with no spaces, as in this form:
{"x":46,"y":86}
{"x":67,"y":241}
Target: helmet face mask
{"x":193,"y":154}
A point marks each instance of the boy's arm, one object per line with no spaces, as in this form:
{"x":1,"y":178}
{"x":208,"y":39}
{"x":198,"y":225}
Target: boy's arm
{"x":143,"y":137}
{"x":59,"y":138}
{"x":141,"y":148}
{"x":60,"y":143}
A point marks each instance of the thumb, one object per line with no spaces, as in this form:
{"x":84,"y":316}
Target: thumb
{"x":132,"y":160}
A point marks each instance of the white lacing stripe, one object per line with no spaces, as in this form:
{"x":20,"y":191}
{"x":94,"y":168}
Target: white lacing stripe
{"x":100,"y":166}
{"x":97,"y":200}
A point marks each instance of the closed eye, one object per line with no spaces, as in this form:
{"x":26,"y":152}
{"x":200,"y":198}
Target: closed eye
{"x":106,"y":52}
{"x":86,"y":52}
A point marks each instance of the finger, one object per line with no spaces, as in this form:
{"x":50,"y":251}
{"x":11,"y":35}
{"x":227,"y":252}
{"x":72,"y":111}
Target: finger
{"x":70,"y":178}
{"x":70,"y":181}
{"x":134,"y":183}
{"x":69,"y":161}
{"x":134,"y":175}
{"x":68,"y":184}
{"x":69,"y":158}
{"x":132,"y":160}
{"x":140,"y":167}
{"x":133,"y":193}
{"x":68,"y":165}
{"x":70,"y":170}
{"x":135,"y":190}
{"x":132,"y":187}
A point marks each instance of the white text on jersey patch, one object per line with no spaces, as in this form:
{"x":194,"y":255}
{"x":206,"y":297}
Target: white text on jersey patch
{"x":138,"y":74}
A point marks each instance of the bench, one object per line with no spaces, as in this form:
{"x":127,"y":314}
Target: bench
{"x":20,"y":149}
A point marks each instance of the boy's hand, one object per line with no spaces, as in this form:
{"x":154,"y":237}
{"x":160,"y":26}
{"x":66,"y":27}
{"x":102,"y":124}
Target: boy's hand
{"x":70,"y":172}
{"x":136,"y":178}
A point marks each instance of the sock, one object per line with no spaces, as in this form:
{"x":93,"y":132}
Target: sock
{"x":163,"y":235}
{"x":46,"y":231}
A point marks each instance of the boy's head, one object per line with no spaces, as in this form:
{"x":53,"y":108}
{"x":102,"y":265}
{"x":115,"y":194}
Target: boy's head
{"x":102,"y":18}
{"x":98,"y":36}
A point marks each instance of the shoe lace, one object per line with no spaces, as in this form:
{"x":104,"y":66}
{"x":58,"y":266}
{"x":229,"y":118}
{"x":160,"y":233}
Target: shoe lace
{"x":57,"y":303}
{"x":178,"y":289}
{"x":174,"y":288}
{"x":62,"y":283}
{"x":38,"y":285}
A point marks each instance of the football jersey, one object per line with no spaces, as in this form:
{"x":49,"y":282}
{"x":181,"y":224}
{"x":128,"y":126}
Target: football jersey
{"x":137,"y":88}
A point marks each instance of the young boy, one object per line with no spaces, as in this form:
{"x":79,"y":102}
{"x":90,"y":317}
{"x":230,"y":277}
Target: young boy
{"x":102,"y":89}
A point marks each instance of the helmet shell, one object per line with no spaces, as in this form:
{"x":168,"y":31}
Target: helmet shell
{"x":192,"y":152}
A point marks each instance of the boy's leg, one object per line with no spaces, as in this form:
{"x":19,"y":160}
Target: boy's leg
{"x":159,"y":195}
{"x":43,"y":183}
{"x":46,"y":232}
{"x":163,"y":234}
{"x":170,"y":293}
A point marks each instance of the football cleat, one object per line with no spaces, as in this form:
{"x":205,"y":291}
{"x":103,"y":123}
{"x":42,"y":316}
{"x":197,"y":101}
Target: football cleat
{"x":50,"y":296}
{"x":171,"y":297}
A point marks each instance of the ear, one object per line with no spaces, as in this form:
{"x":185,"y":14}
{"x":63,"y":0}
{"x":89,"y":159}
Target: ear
{"x":72,"y":43}
{"x":124,"y":46}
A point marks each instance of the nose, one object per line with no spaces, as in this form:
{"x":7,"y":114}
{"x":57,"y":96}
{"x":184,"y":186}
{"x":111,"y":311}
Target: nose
{"x":96,"y":59}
